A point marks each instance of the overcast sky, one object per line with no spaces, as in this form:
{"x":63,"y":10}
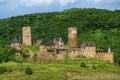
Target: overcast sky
{"x":10,"y":8}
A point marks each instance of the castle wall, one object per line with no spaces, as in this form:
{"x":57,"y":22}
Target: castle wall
{"x":89,"y":52}
{"x":16,"y":46}
{"x":72,"y":37}
{"x":105,"y":56}
{"x":26,"y":36}
{"x":74,"y":53}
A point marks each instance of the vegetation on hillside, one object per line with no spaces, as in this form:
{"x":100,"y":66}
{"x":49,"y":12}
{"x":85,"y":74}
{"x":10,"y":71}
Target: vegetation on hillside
{"x":102,"y":70}
{"x":100,"y":26}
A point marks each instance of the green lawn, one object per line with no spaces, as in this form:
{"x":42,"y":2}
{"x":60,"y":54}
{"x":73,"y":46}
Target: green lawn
{"x":62,"y":71}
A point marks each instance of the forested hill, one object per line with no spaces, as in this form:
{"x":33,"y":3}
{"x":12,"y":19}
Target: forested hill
{"x":100,"y":26}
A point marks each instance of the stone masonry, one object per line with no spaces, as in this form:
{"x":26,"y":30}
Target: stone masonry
{"x":72,"y":37}
{"x":26,"y":36}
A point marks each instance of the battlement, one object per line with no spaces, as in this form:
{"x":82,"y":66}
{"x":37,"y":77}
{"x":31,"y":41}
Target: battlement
{"x":72,"y":28}
{"x":27,"y":27}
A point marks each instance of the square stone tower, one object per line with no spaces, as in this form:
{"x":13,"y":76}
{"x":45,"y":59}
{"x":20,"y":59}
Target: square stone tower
{"x":26,"y":36}
{"x":72,"y":37}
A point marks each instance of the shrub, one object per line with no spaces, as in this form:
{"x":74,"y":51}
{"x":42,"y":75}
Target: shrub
{"x":2,"y":56}
{"x":94,"y":67}
{"x":2,"y":70}
{"x":9,"y":70}
{"x":0,"y":60}
{"x":67,"y":58}
{"x":28,"y":70}
{"x":46,"y":58}
{"x":35,"y":57}
{"x":83,"y":65}
{"x":101,"y":66}
{"x":6,"y":59}
{"x":24,"y":55}
{"x":18,"y":58}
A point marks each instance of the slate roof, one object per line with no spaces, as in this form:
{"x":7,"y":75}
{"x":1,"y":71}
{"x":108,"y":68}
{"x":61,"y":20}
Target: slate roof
{"x":58,"y":38}
{"x":15,"y":40}
{"x":104,"y":50}
{"x":47,"y":44}
{"x":87,"y":44}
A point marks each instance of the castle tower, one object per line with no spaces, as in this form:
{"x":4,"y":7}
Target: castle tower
{"x":72,"y":37}
{"x":26,"y":36}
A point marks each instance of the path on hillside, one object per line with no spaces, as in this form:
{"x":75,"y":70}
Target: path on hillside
{"x":103,"y":76}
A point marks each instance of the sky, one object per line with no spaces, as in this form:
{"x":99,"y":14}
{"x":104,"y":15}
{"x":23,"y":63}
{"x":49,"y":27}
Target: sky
{"x":9,"y":8}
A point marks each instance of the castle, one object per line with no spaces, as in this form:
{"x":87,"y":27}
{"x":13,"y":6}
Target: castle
{"x":87,"y":49}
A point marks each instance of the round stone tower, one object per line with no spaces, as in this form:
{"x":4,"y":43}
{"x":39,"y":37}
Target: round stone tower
{"x":72,"y":37}
{"x":26,"y":36}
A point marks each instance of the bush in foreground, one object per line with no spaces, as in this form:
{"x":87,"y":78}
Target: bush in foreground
{"x":83,"y":65}
{"x":28,"y":70}
{"x":94,"y":67}
{"x":2,"y":70}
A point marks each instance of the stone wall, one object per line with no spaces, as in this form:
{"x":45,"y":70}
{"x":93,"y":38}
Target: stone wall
{"x":16,"y":46}
{"x":105,"y":56}
{"x":89,"y":52}
{"x":74,"y":53}
{"x":26,"y":36}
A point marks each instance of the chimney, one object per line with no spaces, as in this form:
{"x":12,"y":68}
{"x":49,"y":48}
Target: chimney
{"x":109,"y":50}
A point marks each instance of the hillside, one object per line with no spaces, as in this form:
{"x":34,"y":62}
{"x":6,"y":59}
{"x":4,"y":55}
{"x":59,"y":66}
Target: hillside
{"x":100,"y":26}
{"x":60,"y":70}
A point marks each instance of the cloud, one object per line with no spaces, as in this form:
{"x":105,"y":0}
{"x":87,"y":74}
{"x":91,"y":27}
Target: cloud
{"x":65,"y":2}
{"x":103,"y":1}
{"x":2,"y":0}
{"x":95,"y":1}
{"x":13,"y":5}
{"x":30,"y":3}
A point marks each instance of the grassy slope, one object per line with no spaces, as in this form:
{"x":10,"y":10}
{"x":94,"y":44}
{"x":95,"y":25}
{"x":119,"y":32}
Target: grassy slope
{"x":58,"y":70}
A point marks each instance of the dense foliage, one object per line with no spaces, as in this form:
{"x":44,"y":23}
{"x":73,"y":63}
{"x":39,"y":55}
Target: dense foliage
{"x":2,"y":70}
{"x":100,"y":26}
{"x":28,"y":70}
{"x":8,"y":54}
{"x":83,"y":65}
